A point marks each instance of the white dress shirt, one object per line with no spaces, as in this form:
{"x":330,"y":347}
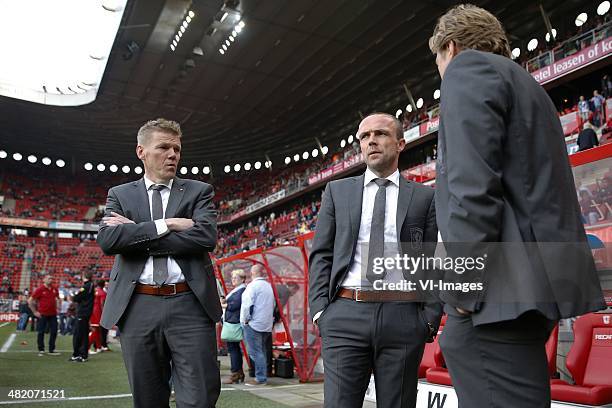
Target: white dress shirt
{"x":354,"y":277}
{"x":175,"y":274}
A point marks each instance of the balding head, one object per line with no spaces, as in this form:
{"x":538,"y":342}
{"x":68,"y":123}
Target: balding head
{"x":258,"y":271}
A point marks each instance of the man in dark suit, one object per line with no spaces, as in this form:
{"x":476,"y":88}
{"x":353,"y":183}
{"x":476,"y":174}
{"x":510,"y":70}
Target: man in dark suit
{"x":364,"y":329}
{"x":503,"y":177}
{"x":162,"y":293}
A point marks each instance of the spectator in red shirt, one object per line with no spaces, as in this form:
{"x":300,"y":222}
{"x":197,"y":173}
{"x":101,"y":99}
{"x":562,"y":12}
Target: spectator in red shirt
{"x":44,"y":303}
{"x":99,"y":333}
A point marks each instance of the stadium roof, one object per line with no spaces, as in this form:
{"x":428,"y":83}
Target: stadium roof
{"x":297,"y":70}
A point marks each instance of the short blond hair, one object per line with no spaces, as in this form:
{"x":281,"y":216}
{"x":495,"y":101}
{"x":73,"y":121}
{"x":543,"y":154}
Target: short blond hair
{"x":239,"y":273}
{"x":159,"y":125}
{"x":470,"y":27}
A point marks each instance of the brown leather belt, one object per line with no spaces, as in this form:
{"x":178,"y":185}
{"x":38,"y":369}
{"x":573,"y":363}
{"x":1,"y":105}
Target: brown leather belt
{"x":359,"y":295}
{"x":163,"y":290}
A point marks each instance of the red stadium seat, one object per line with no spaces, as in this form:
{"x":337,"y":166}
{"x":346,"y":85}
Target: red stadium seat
{"x":438,"y":374}
{"x":588,"y":361}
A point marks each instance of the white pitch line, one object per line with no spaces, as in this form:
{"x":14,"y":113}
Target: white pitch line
{"x":8,"y":343}
{"x":5,"y":324}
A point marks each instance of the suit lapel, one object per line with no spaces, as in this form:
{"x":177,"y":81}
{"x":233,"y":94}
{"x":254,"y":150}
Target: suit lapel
{"x":355,"y":199}
{"x":176,"y":195}
{"x":403,"y":204}
{"x":142,"y":200}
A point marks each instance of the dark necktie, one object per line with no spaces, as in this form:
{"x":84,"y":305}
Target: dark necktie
{"x":376,"y":246}
{"x":160,"y":263}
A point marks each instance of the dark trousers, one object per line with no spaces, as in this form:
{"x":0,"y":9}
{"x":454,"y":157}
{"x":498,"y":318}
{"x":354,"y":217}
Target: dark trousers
{"x":500,"y":364}
{"x":360,"y":338}
{"x":44,"y":323}
{"x":80,"y":339}
{"x":233,"y":348}
{"x":103,"y":336}
{"x":170,"y":336}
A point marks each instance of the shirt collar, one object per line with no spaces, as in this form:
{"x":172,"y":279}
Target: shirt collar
{"x":369,"y":176}
{"x":149,"y":183}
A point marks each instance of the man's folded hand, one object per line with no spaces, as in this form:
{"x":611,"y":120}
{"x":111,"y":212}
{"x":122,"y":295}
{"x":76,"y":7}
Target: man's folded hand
{"x":116,"y":219}
{"x":179,"y":224}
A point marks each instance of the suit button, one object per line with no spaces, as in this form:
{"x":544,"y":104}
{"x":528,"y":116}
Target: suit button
{"x":133,"y":282}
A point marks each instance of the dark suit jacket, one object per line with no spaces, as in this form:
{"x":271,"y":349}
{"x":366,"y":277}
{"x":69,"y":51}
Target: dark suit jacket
{"x":587,"y":139}
{"x":234,"y":302}
{"x":337,"y":231}
{"x":503,"y":175}
{"x":134,"y":243}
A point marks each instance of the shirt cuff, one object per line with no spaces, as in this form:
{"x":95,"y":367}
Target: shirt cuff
{"x":316,"y":316}
{"x":161,"y":227}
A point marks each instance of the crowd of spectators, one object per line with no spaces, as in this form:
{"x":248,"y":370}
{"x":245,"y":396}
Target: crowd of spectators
{"x":596,"y":201}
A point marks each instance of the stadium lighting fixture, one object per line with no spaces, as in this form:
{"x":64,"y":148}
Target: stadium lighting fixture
{"x":241,"y":24}
{"x":257,"y":165}
{"x":177,"y":38}
{"x":188,"y":19}
{"x":195,"y":170}
{"x":185,"y":24}
{"x":305,"y":155}
{"x":234,"y":33}
{"x":533,"y":44}
{"x":113,"y":168}
{"x":436,"y":94}
{"x":88,"y":166}
{"x":224,"y":47}
{"x":101,"y":167}
{"x":231,"y":38}
{"x":409,"y":108}
{"x":324,"y":150}
{"x":268,"y":164}
{"x":237,"y":29}
{"x":397,"y":114}
{"x":516,"y":52}
{"x":206,"y":170}
{"x":182,"y":29}
{"x":125,"y":169}
{"x":350,"y":139}
{"x":227,"y":43}
{"x":296,"y":157}
{"x":17,"y":156}
{"x":32,"y":159}
{"x":180,"y":34}
{"x":342,"y":143}
{"x":419,"y":103}
{"x":3,"y":154}
{"x":227,"y":168}
{"x":247,"y":166}
{"x":172,"y":47}
{"x":221,"y":51}
{"x":603,"y":8}
{"x":315,"y":152}
{"x":138,"y":170}
{"x":191,"y":14}
{"x":184,"y":170}
{"x":547,"y":36}
{"x":60,"y":163}
{"x":287,"y":160}
{"x":46,"y":161}
{"x":581,"y":19}
{"x":237,"y":167}
{"x":223,"y":17}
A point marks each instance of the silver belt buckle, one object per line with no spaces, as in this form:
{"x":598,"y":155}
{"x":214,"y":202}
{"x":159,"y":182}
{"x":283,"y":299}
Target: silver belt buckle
{"x":356,"y":295}
{"x":173,"y":287}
